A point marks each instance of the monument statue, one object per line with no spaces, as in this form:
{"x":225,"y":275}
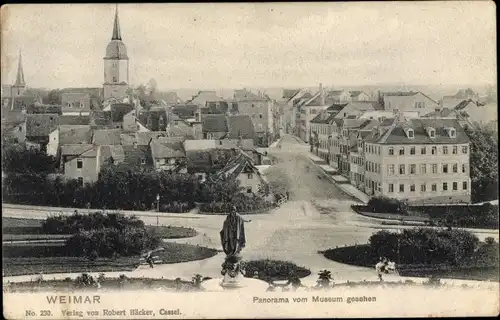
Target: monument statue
{"x":233,"y":241}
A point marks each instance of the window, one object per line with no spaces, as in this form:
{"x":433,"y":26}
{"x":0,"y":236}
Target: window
{"x":423,"y":150}
{"x":423,"y":188}
{"x":453,"y":133}
{"x":445,"y":168}
{"x":445,"y":186}
{"x":401,"y":169}
{"x":401,"y":151}
{"x":413,"y":168}
{"x":455,"y":168}
{"x":432,"y":133}
{"x":455,"y":186}
{"x":433,"y":150}
{"x":411,"y":134}
{"x":412,"y":150}
{"x":464,"y":185}
{"x":79,"y":163}
{"x":434,"y":168}
{"x":391,"y":151}
{"x":454,"y":150}
{"x":464,"y":149}
{"x":249,"y":189}
{"x":423,"y":168}
{"x":391,"y":187}
{"x":445,"y":150}
{"x":80,"y":181}
{"x":412,"y":188}
{"x":253,"y":106}
{"x":401,"y":188}
{"x":463,"y":168}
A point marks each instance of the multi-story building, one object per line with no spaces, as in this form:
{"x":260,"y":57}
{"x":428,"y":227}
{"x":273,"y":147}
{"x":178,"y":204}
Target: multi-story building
{"x":420,"y":160}
{"x":359,"y":96}
{"x":409,"y":101}
{"x":308,"y":110}
{"x":321,"y":128}
{"x":261,"y":110}
{"x":357,"y":108}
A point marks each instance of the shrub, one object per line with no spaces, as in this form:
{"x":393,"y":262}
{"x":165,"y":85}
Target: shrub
{"x":423,"y":245}
{"x":95,"y":220}
{"x":275,"y":269}
{"x":489,"y":240}
{"x":180,"y":207}
{"x":387,"y":205}
{"x":242,"y":204}
{"x":112,"y":242}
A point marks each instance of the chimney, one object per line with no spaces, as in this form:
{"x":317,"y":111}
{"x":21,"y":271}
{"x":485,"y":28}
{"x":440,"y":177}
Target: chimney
{"x":321,"y":94}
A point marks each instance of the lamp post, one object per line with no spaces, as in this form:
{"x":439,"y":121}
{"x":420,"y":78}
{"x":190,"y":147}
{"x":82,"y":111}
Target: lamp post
{"x":157,"y":209}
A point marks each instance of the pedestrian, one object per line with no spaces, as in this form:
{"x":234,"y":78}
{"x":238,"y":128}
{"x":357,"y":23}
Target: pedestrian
{"x":149,"y":260}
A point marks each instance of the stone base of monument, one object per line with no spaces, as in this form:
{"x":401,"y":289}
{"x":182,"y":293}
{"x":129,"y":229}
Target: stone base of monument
{"x":240,"y":284}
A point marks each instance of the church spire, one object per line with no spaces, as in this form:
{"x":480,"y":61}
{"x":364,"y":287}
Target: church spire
{"x":116,"y":27}
{"x":20,"y":74}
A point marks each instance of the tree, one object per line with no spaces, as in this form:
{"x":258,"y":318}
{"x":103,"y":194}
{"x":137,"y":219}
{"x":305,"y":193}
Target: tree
{"x":20,"y":159}
{"x":220,"y":189}
{"x":483,"y":163}
{"x":53,"y":97}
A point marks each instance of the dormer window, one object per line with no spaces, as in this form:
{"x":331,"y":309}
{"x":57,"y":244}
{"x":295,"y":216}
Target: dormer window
{"x":431,"y":132}
{"x":410,"y":133}
{"x":452,"y":132}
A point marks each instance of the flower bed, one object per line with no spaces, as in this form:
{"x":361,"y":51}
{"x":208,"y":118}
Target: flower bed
{"x":274,"y":269}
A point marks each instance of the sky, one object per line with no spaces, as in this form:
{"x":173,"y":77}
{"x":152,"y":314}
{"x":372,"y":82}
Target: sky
{"x":238,"y":45}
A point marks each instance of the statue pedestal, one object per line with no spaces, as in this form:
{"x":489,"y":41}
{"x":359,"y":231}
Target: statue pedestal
{"x":232,"y":282}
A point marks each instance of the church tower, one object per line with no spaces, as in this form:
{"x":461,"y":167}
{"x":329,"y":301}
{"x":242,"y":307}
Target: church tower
{"x":19,"y":86}
{"x":115,"y":64}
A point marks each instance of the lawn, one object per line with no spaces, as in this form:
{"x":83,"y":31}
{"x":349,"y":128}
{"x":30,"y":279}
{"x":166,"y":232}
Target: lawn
{"x":20,"y":229}
{"x":482,"y":265}
{"x":20,"y":259}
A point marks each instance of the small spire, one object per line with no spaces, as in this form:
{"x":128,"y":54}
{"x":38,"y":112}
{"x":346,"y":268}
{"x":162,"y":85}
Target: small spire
{"x":116,"y":27}
{"x":20,"y":74}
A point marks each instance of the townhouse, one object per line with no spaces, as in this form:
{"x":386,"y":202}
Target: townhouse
{"x":420,"y":160}
{"x":308,"y":110}
{"x":321,"y":128}
{"x":409,"y":101}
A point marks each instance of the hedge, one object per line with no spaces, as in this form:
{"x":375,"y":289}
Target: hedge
{"x":387,"y":205}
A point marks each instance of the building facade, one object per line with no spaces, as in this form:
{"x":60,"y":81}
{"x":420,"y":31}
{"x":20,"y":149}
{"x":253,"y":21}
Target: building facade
{"x":424,"y":161}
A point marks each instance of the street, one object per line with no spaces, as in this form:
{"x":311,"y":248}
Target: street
{"x":317,"y":217}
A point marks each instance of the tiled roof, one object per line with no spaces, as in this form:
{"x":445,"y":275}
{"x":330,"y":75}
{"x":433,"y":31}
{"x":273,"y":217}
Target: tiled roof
{"x":216,"y":107}
{"x":43,"y":108}
{"x":399,"y":93}
{"x":169,"y":97}
{"x":463,"y":104}
{"x":107,"y":137}
{"x":88,"y":150}
{"x":236,"y":165}
{"x":74,"y":135}
{"x":180,"y":131}
{"x":169,"y":147}
{"x":444,"y":112}
{"x":119,"y":110}
{"x":74,"y":120}
{"x":289,"y":93}
{"x":143,"y":138}
{"x":240,"y":126}
{"x":214,"y":123}
{"x":203,"y":96}
{"x":337,"y":107}
{"x":396,"y":133}
{"x":369,"y":125}
{"x":324,"y":118}
{"x":100,"y":117}
{"x":245,"y":95}
{"x":196,"y":145}
{"x":40,"y":125}
{"x":185,"y":111}
{"x":366,"y":105}
{"x":355,"y":93}
{"x":151,"y":119}
{"x":134,"y":156}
